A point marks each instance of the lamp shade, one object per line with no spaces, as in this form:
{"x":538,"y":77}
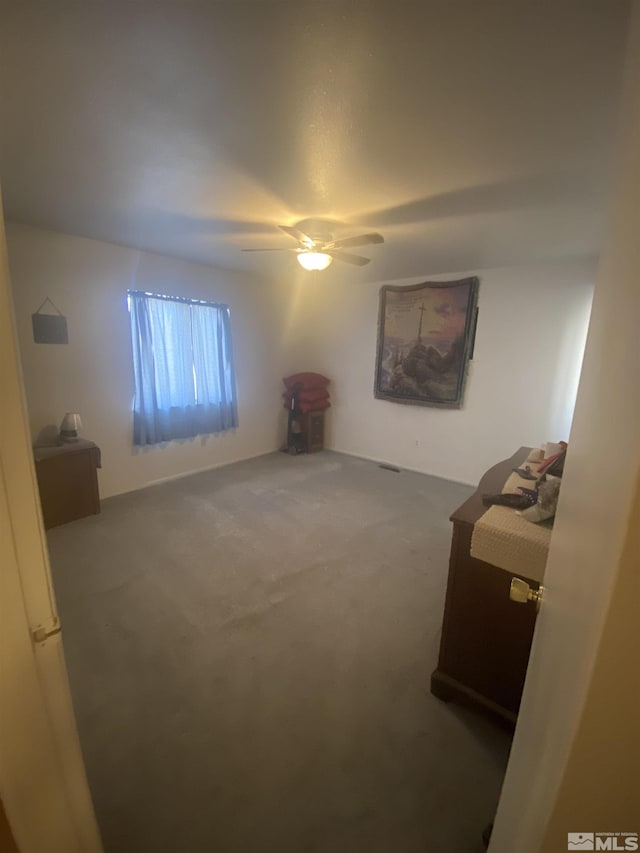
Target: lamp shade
{"x":70,"y":425}
{"x":314,"y":260}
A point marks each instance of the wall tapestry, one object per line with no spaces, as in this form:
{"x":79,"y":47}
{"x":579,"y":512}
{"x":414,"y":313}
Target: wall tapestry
{"x":425,"y":340}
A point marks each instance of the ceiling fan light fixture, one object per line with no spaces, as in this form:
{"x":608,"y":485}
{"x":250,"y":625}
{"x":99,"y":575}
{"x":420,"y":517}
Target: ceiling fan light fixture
{"x":314,"y":260}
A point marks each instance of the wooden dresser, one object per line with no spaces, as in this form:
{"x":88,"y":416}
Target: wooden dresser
{"x":68,"y":481}
{"x":486,"y":637}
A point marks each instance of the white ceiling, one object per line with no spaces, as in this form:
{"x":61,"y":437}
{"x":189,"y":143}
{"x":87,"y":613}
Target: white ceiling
{"x":471,"y":134}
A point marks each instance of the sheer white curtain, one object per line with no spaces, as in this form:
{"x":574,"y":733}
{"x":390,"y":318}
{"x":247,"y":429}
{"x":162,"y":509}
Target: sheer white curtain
{"x":183,"y":368}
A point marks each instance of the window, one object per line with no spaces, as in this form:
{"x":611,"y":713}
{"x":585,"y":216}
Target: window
{"x":183,"y":368}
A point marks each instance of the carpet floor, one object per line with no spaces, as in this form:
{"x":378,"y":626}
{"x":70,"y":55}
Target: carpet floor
{"x":249,"y":652}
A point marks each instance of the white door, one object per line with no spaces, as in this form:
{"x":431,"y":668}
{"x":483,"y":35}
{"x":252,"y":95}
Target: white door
{"x":42,"y":778}
{"x":573,"y":765}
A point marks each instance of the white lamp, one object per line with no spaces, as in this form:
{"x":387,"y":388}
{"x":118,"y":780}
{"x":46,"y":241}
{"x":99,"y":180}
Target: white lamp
{"x":314,"y":260}
{"x":69,"y":427}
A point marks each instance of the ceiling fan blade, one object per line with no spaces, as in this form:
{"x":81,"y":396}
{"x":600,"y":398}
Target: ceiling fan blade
{"x":298,"y":235}
{"x":360,"y":240}
{"x":356,"y":260}
{"x":279,"y":249}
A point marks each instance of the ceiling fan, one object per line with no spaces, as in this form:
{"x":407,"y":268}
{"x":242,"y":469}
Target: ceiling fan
{"x":317,"y":251}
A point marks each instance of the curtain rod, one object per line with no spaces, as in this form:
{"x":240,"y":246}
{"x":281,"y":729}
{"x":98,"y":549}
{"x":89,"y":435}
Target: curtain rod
{"x":185,"y":299}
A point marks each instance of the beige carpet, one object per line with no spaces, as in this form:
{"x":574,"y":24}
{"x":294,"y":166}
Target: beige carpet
{"x":250,"y":651}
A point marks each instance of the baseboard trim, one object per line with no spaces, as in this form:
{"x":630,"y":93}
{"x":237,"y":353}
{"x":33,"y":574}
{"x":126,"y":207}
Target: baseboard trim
{"x":448,"y":689}
{"x":402,"y":467}
{"x":183,"y":474}
{"x":215,"y":465}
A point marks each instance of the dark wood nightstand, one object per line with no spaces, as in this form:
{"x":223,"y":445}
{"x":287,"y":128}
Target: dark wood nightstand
{"x":68,"y":481}
{"x":312,"y":425}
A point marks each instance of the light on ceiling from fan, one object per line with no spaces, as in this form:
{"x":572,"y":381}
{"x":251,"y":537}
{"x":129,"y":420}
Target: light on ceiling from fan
{"x":314,"y":260}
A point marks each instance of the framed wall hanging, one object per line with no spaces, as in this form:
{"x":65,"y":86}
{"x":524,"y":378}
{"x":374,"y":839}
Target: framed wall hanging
{"x":49,"y":328}
{"x":425,"y":340}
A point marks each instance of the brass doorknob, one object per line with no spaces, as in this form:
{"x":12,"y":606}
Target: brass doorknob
{"x":521,"y":592}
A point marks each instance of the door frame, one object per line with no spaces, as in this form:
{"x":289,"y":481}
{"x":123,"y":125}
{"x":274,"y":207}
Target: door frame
{"x":591,"y":544}
{"x":43,"y":783}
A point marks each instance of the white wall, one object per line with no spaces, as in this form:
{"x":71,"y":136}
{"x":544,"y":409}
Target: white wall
{"x":520,"y":390}
{"x":88,"y":281}
{"x":521,"y":384}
